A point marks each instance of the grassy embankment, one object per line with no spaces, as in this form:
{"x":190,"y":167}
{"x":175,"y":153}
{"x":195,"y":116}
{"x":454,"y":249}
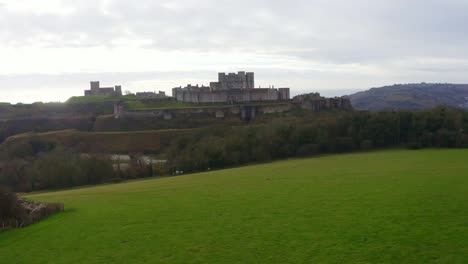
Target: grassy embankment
{"x":98,"y":99}
{"x":103,"y":142}
{"x":383,"y":207}
{"x":131,"y":102}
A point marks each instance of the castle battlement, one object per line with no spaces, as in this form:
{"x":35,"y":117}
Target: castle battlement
{"x":240,"y":80}
{"x":230,"y":88}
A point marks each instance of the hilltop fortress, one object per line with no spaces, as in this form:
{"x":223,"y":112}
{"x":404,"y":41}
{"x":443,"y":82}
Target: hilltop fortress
{"x":230,"y":88}
{"x":245,"y":112}
{"x":233,"y":96}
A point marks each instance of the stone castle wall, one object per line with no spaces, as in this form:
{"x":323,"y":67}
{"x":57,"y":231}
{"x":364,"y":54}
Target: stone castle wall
{"x":310,"y":102}
{"x":232,"y":95}
{"x":230,"y":88}
{"x":315,"y":103}
{"x":245,"y":112}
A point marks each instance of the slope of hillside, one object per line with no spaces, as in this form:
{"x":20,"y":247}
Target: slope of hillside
{"x":383,"y":207}
{"x":102,"y":142}
{"x":411,"y":97}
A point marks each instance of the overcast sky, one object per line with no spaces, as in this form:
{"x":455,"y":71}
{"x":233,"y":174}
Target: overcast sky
{"x":51,"y":49}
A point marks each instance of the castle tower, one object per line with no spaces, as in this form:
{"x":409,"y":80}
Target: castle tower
{"x":250,"y":79}
{"x":242,"y":79}
{"x":221,"y":81}
{"x":118,"y":90}
{"x":95,"y":86}
{"x":221,"y":77}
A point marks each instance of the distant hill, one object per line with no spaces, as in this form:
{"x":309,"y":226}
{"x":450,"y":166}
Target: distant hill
{"x":412,"y":97}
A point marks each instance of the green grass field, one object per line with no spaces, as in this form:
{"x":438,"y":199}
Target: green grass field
{"x":385,"y":207}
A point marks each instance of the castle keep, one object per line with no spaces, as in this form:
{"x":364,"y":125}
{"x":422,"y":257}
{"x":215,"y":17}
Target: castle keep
{"x":241,"y":80}
{"x":230,"y":88}
{"x":96,"y":90}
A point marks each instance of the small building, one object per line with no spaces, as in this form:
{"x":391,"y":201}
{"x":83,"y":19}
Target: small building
{"x":97,"y":90}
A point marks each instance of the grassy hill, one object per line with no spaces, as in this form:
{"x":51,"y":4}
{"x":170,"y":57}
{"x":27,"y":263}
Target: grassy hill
{"x":384,"y":207}
{"x":99,"y":99}
{"x":131,"y":102}
{"x":102,"y":142}
{"x":412,"y":97}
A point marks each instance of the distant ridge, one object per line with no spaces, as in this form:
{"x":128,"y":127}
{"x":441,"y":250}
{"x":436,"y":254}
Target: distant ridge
{"x":412,"y":97}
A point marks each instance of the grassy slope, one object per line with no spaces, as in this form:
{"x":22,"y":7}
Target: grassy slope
{"x":147,"y":105}
{"x":105,"y":142}
{"x":97,"y":99}
{"x":384,"y":207}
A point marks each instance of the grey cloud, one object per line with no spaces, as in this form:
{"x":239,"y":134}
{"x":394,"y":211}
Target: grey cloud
{"x":391,"y":37}
{"x":339,"y":31}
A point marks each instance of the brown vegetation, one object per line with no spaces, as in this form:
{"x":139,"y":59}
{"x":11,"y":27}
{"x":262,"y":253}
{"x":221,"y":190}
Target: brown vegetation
{"x":101,"y":142}
{"x":16,"y":212}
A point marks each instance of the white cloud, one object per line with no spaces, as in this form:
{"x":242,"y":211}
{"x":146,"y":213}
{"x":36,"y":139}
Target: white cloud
{"x":56,"y":7}
{"x":305,"y":44}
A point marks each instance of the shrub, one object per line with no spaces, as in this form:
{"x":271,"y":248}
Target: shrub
{"x":308,"y":149}
{"x":7,"y":203}
{"x":366,"y":144}
{"x":414,"y":145}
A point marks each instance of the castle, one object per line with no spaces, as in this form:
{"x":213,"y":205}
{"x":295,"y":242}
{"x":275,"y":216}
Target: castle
{"x":96,"y":90}
{"x":151,"y":95}
{"x":313,"y":102}
{"x":230,"y":88}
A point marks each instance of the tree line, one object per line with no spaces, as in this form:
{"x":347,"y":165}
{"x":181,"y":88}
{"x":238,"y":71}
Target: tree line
{"x":309,"y":135}
{"x":37,"y":165}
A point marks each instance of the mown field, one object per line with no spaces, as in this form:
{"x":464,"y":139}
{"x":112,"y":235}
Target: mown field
{"x":384,"y":207}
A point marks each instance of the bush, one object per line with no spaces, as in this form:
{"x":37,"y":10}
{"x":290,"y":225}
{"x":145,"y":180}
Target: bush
{"x":344,"y":144}
{"x":414,"y":145}
{"x":308,"y":149}
{"x":57,"y":168}
{"x":366,"y":144}
{"x":7,"y":203}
